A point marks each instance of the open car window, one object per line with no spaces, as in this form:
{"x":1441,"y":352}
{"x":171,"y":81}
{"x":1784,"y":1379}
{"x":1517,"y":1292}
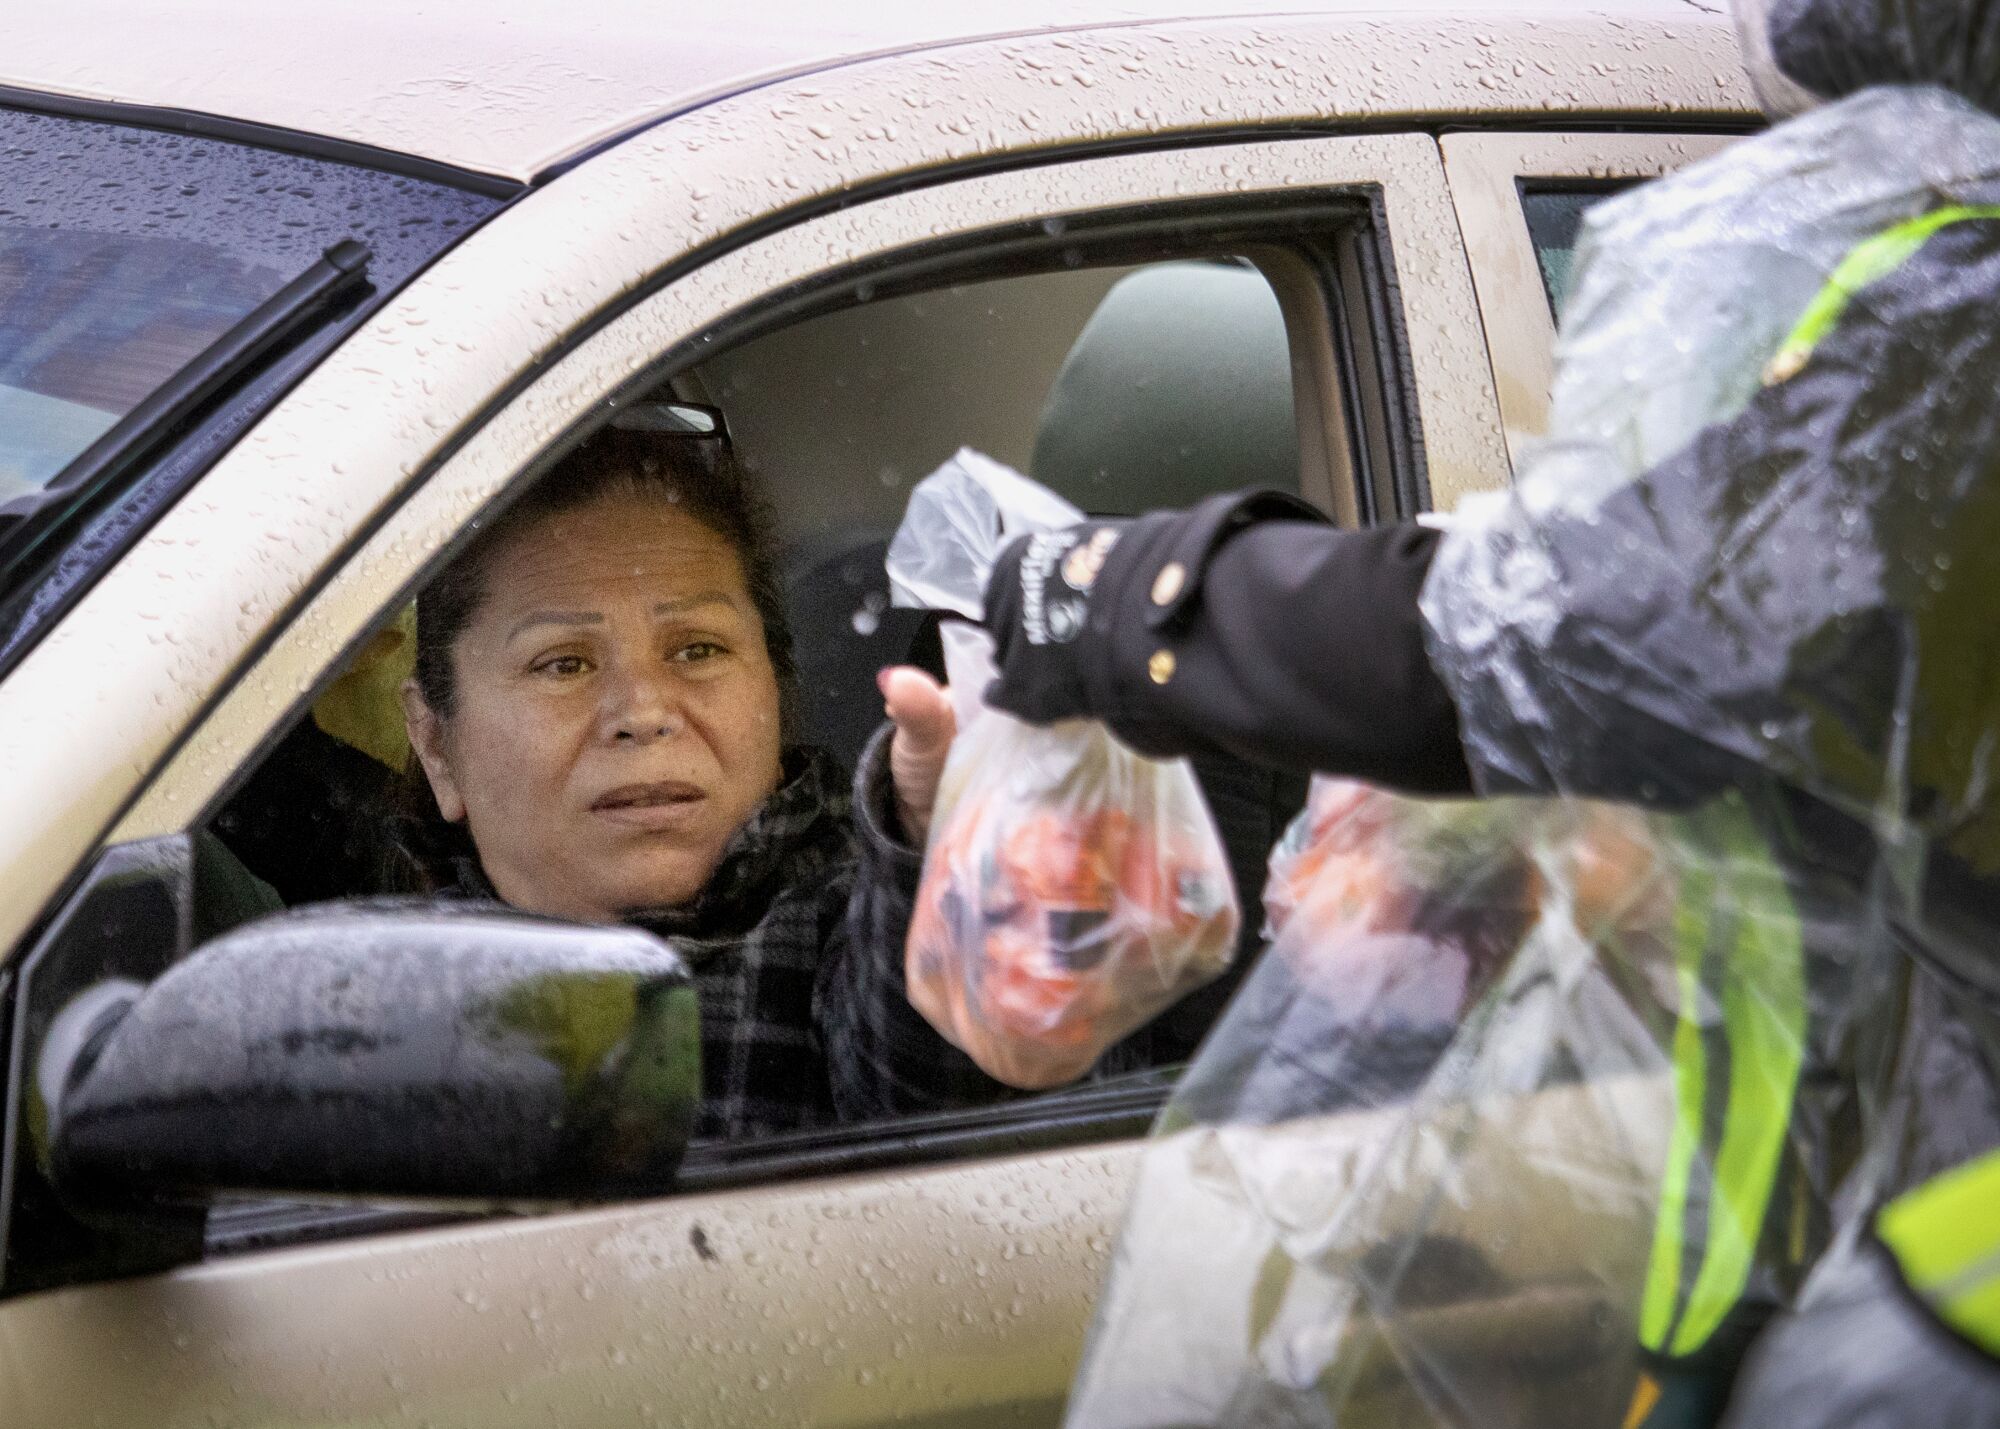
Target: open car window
{"x":1124,"y":386}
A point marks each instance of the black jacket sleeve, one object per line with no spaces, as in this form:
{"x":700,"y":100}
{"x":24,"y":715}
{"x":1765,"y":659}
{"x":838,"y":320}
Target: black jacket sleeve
{"x":1245,"y":626}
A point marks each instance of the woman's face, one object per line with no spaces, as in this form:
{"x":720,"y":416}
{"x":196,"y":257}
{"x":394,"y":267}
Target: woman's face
{"x":617,"y":712}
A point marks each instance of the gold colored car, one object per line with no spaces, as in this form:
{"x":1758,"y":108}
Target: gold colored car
{"x":291,"y":297}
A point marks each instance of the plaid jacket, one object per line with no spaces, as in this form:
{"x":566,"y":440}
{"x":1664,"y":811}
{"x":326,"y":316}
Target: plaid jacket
{"x":796,"y":947}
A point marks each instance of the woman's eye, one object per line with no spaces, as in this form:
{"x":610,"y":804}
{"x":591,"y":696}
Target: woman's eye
{"x":562,"y":665}
{"x":699,"y":650}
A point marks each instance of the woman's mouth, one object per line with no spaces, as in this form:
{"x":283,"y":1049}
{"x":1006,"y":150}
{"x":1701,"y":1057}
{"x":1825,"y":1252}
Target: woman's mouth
{"x":649,"y":806}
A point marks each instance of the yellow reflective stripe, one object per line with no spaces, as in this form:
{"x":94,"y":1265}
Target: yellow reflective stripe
{"x":1946,"y":1237}
{"x":1869,"y":261}
{"x":1763,"y":1002}
{"x":1729,"y":882}
{"x":1948,"y":1223}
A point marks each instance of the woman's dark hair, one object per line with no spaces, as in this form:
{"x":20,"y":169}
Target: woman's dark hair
{"x":699,"y":476}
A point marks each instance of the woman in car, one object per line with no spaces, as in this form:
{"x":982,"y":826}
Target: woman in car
{"x":600,"y":715}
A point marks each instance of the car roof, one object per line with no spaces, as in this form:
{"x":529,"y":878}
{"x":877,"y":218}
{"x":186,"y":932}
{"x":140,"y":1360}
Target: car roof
{"x":510,"y":87}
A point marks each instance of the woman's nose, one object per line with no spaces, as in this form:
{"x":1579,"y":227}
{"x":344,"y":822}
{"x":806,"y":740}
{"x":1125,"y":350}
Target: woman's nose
{"x":644,"y":710}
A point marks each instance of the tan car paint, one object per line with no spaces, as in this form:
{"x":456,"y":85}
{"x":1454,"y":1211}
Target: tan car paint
{"x":534,"y":81}
{"x":1485,"y":169}
{"x":547,"y":1321}
{"x":952,"y":1297}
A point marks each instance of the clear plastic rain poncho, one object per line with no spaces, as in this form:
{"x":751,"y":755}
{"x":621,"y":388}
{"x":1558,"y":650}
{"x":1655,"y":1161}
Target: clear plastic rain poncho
{"x":1531,"y":1096}
{"x":1072,"y":890}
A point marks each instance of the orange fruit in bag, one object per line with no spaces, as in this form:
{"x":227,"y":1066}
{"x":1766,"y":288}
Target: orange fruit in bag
{"x":1034,"y":947}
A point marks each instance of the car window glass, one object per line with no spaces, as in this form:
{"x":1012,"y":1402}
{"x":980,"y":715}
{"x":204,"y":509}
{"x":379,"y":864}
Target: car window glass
{"x":1555,"y":223}
{"x":125,"y":252}
{"x":90,"y":323}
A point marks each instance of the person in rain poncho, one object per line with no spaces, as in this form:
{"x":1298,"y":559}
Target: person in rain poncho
{"x":1754,"y":574}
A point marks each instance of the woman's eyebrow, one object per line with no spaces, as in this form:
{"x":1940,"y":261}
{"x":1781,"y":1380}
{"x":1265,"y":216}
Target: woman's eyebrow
{"x":680,"y":605}
{"x":555,"y":617}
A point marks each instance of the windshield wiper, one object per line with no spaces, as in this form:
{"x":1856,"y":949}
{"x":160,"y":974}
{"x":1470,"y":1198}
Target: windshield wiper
{"x":274,"y":325}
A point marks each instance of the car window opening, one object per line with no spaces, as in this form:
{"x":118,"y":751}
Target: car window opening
{"x":1123,"y":388}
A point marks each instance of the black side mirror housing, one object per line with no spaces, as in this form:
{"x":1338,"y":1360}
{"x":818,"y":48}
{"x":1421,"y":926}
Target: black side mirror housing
{"x":426,"y":1052}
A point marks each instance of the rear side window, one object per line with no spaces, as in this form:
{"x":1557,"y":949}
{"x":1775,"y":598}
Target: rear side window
{"x":1555,"y":223}
{"x":126,"y":254}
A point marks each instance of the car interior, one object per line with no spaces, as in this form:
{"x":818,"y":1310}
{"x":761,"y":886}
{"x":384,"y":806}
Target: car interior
{"x":1125,"y":388}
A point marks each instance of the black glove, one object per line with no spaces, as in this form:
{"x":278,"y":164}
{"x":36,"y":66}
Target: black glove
{"x":1037,"y":610}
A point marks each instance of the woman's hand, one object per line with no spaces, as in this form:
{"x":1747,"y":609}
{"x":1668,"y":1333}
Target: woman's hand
{"x":925,"y":724}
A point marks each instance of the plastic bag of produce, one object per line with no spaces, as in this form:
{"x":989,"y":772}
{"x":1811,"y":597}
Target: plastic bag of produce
{"x":1072,"y":890}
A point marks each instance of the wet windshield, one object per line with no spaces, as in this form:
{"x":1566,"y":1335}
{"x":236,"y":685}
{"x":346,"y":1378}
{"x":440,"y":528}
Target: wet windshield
{"x":90,"y":323}
{"x":126,"y":255}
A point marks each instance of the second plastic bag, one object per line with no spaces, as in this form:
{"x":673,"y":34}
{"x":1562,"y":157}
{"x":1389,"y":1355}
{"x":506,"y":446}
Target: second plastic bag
{"x":1416,"y":1170}
{"x":1072,"y":890}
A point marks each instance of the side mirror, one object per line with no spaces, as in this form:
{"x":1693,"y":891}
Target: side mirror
{"x":382,"y":1050}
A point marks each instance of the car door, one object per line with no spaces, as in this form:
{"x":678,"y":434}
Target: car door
{"x":1520,"y":200}
{"x":940,"y":1271}
{"x":935,"y":1272}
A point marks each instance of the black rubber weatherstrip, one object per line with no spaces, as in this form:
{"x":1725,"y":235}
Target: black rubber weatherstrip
{"x":274,"y":324}
{"x":260,"y":136}
{"x":1333,"y":126}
